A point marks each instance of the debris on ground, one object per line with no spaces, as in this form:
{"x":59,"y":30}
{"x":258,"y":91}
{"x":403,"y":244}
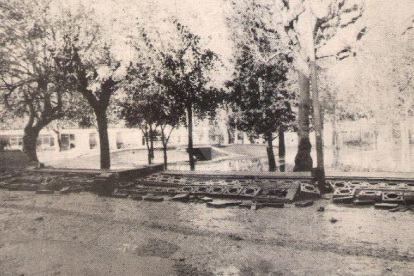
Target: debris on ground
{"x":65,"y":191}
{"x":137,"y":197}
{"x":181,"y":197}
{"x":399,"y":209}
{"x":216,"y":204}
{"x":223,"y":204}
{"x":235,"y":237}
{"x":373,"y":193}
{"x":245,"y":205}
{"x":255,"y":206}
{"x":333,"y":220}
{"x":321,"y":209}
{"x":206,"y":199}
{"x":255,"y":192}
{"x":273,"y":205}
{"x":153,"y":198}
{"x":343,"y":200}
{"x":386,"y":205}
{"x":304,"y":203}
{"x":118,"y":194}
{"x":364,"y":202}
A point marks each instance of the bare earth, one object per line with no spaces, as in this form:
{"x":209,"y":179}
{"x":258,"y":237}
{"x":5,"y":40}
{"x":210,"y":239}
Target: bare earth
{"x":83,"y":234}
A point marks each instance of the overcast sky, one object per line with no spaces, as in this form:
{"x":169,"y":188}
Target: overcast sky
{"x":384,"y":19}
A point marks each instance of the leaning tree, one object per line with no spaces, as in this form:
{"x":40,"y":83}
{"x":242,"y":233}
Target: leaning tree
{"x":32,"y":84}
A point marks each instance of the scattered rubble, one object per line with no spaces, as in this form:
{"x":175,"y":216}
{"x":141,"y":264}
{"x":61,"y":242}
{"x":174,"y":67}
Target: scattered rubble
{"x":153,"y":198}
{"x":223,"y":204}
{"x":321,"y":209}
{"x":255,"y":206}
{"x":65,"y":191}
{"x":306,"y":203}
{"x":399,"y":209}
{"x":206,"y":199}
{"x":181,"y":197}
{"x":333,"y":220}
{"x":273,"y":205}
{"x":137,"y":197}
{"x":383,"y":195}
{"x":216,"y":204}
{"x":386,"y":205}
{"x":245,"y":192}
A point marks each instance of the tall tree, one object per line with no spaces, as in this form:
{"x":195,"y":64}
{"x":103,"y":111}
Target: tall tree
{"x":149,"y":104}
{"x":317,"y":30}
{"x":31,"y":82}
{"x":149,"y":110}
{"x":95,"y":72}
{"x":262,"y":60}
{"x":260,"y":101}
{"x":186,"y":76}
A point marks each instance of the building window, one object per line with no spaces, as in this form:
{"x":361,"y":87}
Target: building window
{"x":67,"y":141}
{"x":13,"y":141}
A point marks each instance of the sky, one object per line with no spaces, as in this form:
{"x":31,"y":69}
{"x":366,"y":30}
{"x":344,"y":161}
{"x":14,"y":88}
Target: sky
{"x":382,"y":47}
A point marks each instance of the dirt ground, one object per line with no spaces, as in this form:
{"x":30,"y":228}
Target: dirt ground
{"x":83,"y":234}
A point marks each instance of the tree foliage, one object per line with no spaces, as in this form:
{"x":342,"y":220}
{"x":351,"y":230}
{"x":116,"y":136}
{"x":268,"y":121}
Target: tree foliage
{"x":94,"y":72}
{"x":187,"y":66}
{"x":32,"y":84}
{"x":260,"y":98}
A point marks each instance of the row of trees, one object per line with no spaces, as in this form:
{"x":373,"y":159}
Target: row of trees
{"x":60,"y":63}
{"x":275,"y":37}
{"x":54,"y":63}
{"x":168,"y":85}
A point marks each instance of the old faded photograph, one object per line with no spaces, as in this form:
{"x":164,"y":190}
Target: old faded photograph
{"x":206,"y":137}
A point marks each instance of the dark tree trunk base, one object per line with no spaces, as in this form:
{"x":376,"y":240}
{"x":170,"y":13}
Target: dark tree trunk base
{"x":190,"y":139}
{"x":29,"y":143}
{"x":103,"y":140}
{"x":271,"y":154}
{"x":303,"y":159}
{"x":282,"y":150}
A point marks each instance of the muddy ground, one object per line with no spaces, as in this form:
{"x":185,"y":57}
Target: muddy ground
{"x":83,"y":234}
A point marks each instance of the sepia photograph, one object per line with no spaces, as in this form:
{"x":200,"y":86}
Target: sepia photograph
{"x":206,"y":137}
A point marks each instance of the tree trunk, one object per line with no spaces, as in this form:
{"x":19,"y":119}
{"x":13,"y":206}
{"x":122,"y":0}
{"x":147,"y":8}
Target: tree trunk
{"x":59,"y":141}
{"x":164,"y":148}
{"x":229,"y":136}
{"x":317,"y":114}
{"x":303,"y":159}
{"x":270,"y":153}
{"x":282,"y":150}
{"x":335,"y":138}
{"x":29,"y":142}
{"x":190,"y":138}
{"x":103,"y":139}
{"x":151,"y":138}
{"x":282,"y":147}
{"x":148,"y":147}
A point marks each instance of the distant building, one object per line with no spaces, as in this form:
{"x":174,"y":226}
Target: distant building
{"x":204,"y":133}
